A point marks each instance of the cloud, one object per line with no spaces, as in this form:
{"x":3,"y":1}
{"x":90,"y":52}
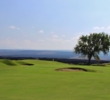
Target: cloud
{"x":41,"y":31}
{"x":63,"y":35}
{"x":108,"y":28}
{"x":40,"y":40}
{"x":18,"y":28}
{"x":53,"y":42}
{"x":52,"y":32}
{"x":13,"y":27}
{"x":101,"y":29}
{"x":8,"y":43}
{"x":27,"y":42}
{"x":98,"y":28}
{"x":95,"y":28}
{"x":54,"y":36}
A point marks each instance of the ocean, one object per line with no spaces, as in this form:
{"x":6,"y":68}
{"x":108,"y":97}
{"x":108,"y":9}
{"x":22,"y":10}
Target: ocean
{"x":46,"y":54}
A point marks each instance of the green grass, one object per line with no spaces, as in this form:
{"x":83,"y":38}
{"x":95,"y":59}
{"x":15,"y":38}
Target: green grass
{"x":42,"y":82}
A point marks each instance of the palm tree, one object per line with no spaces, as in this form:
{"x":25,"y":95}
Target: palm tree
{"x":90,"y":46}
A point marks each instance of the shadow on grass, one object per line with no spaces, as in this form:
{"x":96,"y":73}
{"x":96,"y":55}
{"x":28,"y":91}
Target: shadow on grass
{"x":26,"y":64}
{"x":96,"y":64}
{"x":101,"y":64}
{"x":75,"y":69}
{"x":8,"y":62}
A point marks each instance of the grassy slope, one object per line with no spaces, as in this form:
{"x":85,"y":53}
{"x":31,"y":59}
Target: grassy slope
{"x":42,"y":82}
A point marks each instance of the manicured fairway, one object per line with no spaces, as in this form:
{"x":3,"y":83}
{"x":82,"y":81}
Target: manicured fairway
{"x":20,"y":81}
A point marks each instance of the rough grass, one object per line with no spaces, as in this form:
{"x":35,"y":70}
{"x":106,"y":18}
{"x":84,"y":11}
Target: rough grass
{"x":42,"y":82}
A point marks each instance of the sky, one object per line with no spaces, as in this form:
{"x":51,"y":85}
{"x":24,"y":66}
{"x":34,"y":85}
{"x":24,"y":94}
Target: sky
{"x":50,"y":24}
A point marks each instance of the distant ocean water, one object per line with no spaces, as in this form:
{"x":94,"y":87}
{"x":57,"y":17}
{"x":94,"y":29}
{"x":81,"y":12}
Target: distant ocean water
{"x":46,"y":54}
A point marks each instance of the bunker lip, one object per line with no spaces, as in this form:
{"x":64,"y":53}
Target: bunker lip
{"x":72,"y":69}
